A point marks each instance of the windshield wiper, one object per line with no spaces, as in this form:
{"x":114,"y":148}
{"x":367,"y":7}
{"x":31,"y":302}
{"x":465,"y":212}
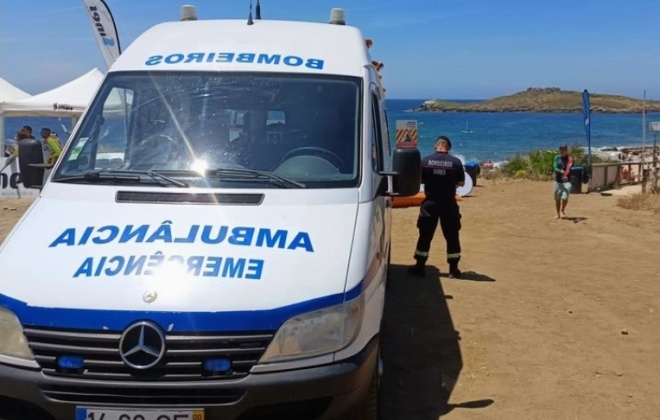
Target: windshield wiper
{"x":236,"y":173}
{"x":155,"y":175}
{"x":254,"y":174}
{"x":132,"y":176}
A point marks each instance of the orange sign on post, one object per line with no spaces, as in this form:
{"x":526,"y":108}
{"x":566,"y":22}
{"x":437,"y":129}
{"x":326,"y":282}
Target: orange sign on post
{"x":406,"y":133}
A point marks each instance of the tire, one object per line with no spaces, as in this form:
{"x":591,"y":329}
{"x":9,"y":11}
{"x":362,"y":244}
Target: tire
{"x":369,"y":407}
{"x":22,"y":414}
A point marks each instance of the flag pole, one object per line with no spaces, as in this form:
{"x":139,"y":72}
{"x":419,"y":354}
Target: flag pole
{"x":586,"y":110}
{"x":644,"y":126}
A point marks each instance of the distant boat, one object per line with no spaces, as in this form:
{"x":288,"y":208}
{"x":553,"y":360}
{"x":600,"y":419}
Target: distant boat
{"x":466,"y":130}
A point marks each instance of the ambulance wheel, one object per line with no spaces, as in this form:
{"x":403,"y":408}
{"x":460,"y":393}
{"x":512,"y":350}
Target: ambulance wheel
{"x":368,"y":409}
{"x":21,"y":412}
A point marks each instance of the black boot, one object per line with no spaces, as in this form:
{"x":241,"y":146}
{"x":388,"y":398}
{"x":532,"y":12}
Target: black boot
{"x":418,"y":269}
{"x":454,"y":272}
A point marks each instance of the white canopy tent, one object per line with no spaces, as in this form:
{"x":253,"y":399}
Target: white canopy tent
{"x":67,"y":100}
{"x":70,"y":99}
{"x":10,"y":93}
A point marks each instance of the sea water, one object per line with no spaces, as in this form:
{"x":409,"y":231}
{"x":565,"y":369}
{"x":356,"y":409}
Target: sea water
{"x":495,"y":136}
{"x":500,"y":136}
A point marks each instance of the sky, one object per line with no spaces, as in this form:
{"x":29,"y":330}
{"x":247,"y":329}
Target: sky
{"x":450,"y":49}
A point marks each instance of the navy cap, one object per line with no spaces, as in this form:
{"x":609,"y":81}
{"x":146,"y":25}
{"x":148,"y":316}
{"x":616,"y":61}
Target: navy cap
{"x":445,"y":138}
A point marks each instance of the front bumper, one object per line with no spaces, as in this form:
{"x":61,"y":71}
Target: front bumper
{"x":317,"y":392}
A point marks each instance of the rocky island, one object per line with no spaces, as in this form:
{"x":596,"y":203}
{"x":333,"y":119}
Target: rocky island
{"x":547,"y":100}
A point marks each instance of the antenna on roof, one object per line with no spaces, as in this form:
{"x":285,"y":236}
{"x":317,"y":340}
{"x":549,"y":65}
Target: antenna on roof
{"x":250,"y":21}
{"x":258,"y":11}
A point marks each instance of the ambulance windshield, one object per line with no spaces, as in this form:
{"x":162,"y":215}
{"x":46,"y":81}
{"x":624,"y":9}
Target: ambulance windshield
{"x":304,"y":128}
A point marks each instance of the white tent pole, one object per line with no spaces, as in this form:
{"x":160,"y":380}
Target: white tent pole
{"x":2,"y":135}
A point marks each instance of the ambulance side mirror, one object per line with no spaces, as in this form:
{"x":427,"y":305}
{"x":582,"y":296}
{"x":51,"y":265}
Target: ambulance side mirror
{"x":31,"y":163}
{"x":405,"y":178}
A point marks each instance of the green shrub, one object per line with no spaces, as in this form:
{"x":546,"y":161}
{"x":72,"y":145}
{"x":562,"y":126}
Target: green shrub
{"x":515,"y":165}
{"x":581,"y":157}
{"x":537,"y":165}
{"x":541,"y":162}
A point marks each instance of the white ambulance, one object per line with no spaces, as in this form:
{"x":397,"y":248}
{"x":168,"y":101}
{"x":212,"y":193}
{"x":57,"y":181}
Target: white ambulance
{"x":214,"y":240}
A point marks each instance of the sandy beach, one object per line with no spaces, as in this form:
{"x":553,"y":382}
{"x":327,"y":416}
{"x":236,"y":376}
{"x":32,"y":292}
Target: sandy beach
{"x":556,"y":319}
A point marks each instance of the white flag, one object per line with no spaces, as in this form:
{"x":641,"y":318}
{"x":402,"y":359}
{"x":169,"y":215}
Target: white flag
{"x":104,"y":28}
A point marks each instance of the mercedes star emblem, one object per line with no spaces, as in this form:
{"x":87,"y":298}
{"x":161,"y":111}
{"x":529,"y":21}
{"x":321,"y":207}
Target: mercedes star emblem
{"x":150,"y":296}
{"x":142,"y":345}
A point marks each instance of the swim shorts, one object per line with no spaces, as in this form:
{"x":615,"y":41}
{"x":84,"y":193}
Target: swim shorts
{"x":562,"y":190}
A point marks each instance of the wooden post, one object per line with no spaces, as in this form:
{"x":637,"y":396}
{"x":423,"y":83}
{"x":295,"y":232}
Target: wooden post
{"x":631,"y":178}
{"x":644,"y":179}
{"x":654,"y":187}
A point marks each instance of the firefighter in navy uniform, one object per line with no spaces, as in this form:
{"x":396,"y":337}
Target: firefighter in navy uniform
{"x":441,"y":174}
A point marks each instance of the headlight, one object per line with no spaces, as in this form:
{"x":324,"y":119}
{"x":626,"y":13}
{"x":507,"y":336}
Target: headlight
{"x":315,"y":333}
{"x":12,"y":340}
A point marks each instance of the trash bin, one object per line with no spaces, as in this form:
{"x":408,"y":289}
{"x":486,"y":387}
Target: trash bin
{"x":472,"y":168}
{"x":576,"y":179}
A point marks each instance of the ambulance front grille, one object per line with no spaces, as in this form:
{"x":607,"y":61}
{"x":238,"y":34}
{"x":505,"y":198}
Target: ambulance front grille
{"x":136,"y":395}
{"x":183,"y":361}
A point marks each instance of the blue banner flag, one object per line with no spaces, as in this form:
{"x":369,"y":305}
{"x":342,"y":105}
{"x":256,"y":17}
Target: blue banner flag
{"x":586,"y":112}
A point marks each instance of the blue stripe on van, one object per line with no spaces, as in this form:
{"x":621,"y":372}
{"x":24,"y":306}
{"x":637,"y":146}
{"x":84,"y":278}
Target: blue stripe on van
{"x":118,"y":320}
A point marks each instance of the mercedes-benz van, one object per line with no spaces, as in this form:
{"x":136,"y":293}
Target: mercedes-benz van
{"x":213,"y":242}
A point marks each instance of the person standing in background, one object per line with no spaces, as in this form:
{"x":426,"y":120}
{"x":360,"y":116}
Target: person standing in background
{"x":561,"y":167}
{"x":52,"y":145}
{"x":441,"y":174}
{"x":12,"y":153}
